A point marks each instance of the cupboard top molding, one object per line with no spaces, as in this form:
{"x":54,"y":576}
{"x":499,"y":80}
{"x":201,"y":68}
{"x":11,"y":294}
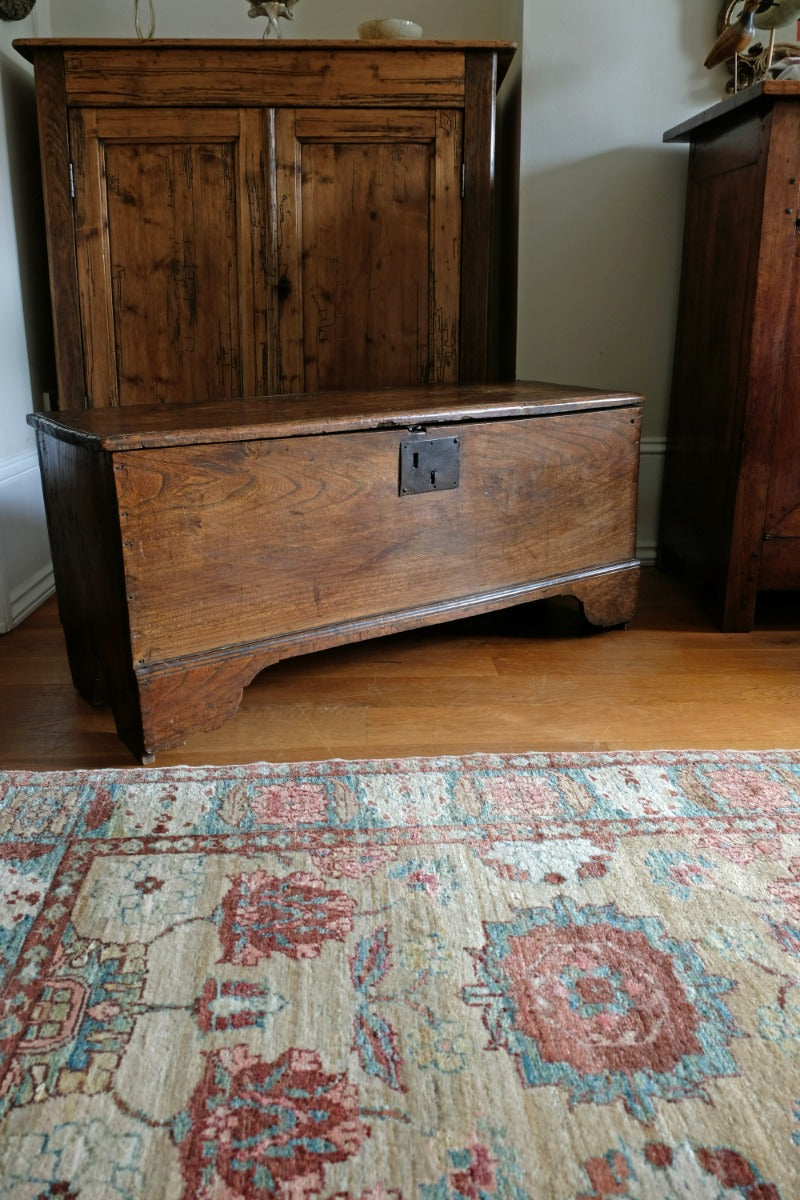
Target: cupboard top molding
{"x":102,"y":71}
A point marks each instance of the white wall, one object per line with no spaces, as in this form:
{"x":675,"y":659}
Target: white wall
{"x":312,"y":18}
{"x":602,"y":199}
{"x":26,"y":361}
{"x":601,"y":203}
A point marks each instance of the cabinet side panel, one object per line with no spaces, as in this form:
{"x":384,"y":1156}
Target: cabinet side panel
{"x":231,"y":544}
{"x":55,"y":161}
{"x":84,"y":536}
{"x":713,"y":349}
{"x":773,"y":367}
{"x":779,"y":320}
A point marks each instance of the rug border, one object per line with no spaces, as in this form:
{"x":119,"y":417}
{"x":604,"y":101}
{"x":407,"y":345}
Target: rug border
{"x":475,"y":760}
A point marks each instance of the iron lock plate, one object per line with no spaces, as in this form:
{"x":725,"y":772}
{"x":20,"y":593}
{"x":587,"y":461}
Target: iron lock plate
{"x":429,"y":464}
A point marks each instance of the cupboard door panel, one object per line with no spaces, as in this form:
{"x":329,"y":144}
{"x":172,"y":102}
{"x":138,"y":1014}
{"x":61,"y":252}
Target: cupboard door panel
{"x":170,"y":212}
{"x":368,"y":238}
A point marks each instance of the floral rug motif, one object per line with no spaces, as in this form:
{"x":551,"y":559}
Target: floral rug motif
{"x":527,"y":977}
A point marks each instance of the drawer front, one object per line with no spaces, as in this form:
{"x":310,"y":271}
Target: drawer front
{"x":234,"y":543}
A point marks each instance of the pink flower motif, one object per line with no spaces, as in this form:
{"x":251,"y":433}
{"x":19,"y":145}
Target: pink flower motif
{"x":690,"y":874}
{"x":12,"y":1078}
{"x":750,"y":789}
{"x":739,"y":846}
{"x":520,"y":797}
{"x":668,"y":1167}
{"x":351,"y":862}
{"x":106,"y":1010}
{"x":28,"y":900}
{"x":608,"y":1177}
{"x":264,"y":914}
{"x":478,"y":1178}
{"x":267,"y":1129}
{"x":290,"y":803}
{"x":424,"y":881}
{"x":595,"y":868}
{"x":728,"y":1166}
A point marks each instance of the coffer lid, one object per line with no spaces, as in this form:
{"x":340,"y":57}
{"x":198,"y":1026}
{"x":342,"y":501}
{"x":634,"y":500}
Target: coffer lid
{"x":258,"y":418}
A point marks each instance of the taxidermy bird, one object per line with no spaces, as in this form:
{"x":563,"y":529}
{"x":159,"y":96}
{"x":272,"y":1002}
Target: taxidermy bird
{"x":756,"y":14}
{"x":272,"y":9}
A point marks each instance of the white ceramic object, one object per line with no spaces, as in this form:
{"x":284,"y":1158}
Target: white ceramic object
{"x":785,"y":68}
{"x":389,"y":27}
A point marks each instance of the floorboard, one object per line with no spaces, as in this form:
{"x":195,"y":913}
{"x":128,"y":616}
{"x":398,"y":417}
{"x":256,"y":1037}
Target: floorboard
{"x":534,"y":678}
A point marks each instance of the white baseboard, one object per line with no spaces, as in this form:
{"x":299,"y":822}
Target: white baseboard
{"x":26,"y":572}
{"x":26,"y":598}
{"x":651,"y":471}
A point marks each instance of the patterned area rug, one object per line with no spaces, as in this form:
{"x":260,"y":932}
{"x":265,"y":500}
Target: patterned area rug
{"x":538,"y":977}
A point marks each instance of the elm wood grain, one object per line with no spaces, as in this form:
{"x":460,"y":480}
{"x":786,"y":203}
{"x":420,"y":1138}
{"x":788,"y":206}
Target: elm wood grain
{"x":259,"y":417}
{"x":183,"y":698}
{"x":234,"y":526}
{"x":391,"y":74}
{"x":322,"y":167}
{"x":535,"y":677}
{"x":236,"y":553}
{"x":170,"y":229}
{"x":731,"y":489}
{"x":368,"y":198}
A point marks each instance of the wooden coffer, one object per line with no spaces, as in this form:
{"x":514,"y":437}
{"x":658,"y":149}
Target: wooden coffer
{"x":194,"y":546}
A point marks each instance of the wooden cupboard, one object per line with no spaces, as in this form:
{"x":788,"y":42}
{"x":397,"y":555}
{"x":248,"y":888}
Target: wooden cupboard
{"x":235,"y":218}
{"x":731,"y":499}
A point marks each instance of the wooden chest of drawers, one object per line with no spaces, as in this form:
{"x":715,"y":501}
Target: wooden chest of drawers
{"x":194,"y":546}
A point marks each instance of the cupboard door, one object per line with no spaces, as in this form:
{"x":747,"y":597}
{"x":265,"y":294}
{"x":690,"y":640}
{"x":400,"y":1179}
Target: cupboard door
{"x":170,"y":216}
{"x":367,"y":231}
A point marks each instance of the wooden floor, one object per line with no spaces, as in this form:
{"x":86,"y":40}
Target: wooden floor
{"x":535,"y":678}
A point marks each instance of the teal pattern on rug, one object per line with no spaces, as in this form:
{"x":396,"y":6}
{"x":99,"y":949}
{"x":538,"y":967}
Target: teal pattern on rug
{"x":533,"y":977}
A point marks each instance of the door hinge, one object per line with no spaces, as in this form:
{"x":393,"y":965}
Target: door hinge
{"x":71,"y":181}
{"x":463,"y":180}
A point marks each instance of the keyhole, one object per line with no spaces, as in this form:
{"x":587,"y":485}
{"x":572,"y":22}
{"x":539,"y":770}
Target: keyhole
{"x":433,"y":479}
